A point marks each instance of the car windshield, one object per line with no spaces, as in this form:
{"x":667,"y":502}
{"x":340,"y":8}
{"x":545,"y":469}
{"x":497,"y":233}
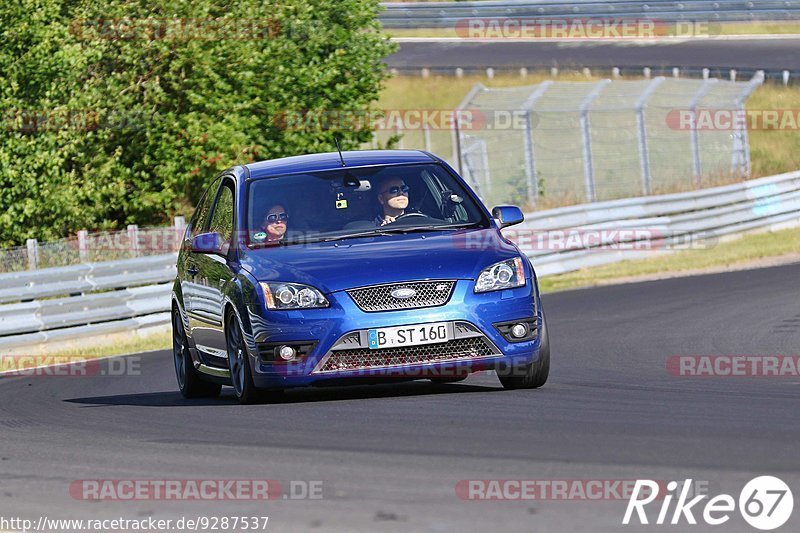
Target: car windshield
{"x":350,"y":203}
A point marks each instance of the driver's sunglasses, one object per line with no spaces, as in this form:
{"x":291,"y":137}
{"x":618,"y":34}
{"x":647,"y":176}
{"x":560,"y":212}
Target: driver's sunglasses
{"x":397,"y":189}
{"x":273,"y":218}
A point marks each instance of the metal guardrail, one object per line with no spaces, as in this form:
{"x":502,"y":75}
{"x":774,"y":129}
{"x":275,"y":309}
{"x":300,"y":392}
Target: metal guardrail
{"x":401,"y":15}
{"x":100,"y":298}
{"x":656,"y":223}
{"x":93,"y":298}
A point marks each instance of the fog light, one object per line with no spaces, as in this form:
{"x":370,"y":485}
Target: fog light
{"x":519,"y":331}
{"x":287,"y":353}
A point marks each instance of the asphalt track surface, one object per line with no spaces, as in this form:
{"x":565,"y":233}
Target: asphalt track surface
{"x":390,"y":456}
{"x":757,"y":53}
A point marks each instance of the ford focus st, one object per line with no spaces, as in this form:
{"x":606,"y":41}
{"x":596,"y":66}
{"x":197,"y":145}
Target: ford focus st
{"x":349,"y":268}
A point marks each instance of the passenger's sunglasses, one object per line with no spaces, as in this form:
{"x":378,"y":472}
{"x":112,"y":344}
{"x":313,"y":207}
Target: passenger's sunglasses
{"x":397,"y":189}
{"x":273,"y":218}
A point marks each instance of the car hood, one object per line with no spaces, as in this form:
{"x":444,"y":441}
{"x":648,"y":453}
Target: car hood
{"x":338,"y":265}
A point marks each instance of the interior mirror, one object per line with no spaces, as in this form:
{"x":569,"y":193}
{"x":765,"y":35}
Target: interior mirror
{"x":507,"y":215}
{"x":450,"y":201}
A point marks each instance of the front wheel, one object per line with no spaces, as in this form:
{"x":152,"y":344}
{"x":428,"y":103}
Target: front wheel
{"x":535,"y":374}
{"x":190,"y":384}
{"x":239,"y":365}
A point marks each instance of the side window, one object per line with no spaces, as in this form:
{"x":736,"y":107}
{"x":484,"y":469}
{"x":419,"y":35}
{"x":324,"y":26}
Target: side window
{"x":222,"y":216}
{"x":201,"y":213}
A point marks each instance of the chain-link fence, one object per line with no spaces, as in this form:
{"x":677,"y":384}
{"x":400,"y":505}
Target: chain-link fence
{"x":93,"y":247}
{"x":559,"y":143}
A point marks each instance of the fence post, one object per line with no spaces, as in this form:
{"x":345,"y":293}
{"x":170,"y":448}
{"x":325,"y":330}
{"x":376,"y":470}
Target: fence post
{"x":694,"y":134}
{"x":530,"y":154}
{"x":644,"y":152}
{"x":180,"y":228}
{"x":588,"y":164}
{"x":33,"y":253}
{"x":741,"y":139}
{"x":457,"y":155}
{"x":427,"y":133}
{"x":133,"y":239}
{"x":83,"y":246}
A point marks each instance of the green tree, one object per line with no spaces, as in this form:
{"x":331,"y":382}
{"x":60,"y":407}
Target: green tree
{"x":120,"y":112}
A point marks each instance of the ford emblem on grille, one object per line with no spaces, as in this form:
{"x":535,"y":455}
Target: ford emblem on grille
{"x":403,"y":293}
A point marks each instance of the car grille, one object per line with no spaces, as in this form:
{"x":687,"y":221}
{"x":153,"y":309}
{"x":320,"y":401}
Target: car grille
{"x":379,"y":297}
{"x":364,"y":358}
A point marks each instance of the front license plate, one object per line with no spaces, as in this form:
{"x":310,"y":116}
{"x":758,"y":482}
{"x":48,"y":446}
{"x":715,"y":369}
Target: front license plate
{"x":401,"y":336}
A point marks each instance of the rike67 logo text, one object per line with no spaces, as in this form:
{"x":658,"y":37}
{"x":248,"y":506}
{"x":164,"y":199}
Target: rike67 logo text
{"x":765,"y":503}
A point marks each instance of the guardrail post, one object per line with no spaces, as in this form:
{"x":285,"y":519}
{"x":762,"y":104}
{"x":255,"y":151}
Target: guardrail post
{"x":33,"y":253}
{"x":588,"y":163}
{"x":133,"y":239}
{"x":83,"y":246}
{"x":644,"y":153}
{"x":693,"y":132}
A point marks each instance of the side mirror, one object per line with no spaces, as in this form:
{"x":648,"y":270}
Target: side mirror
{"x":508,"y":215}
{"x":208,"y":243}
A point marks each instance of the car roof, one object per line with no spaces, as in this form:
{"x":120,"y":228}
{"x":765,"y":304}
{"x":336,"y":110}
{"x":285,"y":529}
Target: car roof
{"x":331,"y":161}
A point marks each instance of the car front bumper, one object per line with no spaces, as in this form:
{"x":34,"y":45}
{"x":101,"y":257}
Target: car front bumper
{"x":337,"y":339}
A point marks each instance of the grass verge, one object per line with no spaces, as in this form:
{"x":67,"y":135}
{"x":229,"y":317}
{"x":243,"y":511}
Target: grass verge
{"x":87,"y":348}
{"x":752,"y":250}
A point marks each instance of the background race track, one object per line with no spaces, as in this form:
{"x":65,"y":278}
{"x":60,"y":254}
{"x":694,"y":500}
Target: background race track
{"x":390,"y":456}
{"x":767,"y":53}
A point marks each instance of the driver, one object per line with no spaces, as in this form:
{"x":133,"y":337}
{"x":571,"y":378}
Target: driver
{"x":274,"y":224}
{"x":393,"y":197}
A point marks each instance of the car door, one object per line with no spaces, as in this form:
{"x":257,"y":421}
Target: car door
{"x":187,"y":261}
{"x":213,"y":275}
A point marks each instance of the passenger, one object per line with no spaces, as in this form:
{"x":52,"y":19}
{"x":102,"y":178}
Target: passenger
{"x":393,"y":197}
{"x":274,"y":226}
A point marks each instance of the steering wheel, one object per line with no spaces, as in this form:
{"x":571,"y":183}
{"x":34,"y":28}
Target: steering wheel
{"x":409,"y":215}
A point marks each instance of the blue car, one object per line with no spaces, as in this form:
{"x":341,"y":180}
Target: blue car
{"x":349,"y":268}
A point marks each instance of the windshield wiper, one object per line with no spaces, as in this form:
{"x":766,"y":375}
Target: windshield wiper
{"x":384,"y":230}
{"x":433,"y":227}
{"x":370,"y":233}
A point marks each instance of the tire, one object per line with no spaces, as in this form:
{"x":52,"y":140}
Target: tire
{"x":535,"y":374}
{"x":190,"y":383}
{"x":239,"y":365}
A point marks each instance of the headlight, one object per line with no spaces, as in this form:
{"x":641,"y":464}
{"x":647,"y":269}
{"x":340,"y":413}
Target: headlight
{"x":280,"y":296}
{"x":503,"y":275}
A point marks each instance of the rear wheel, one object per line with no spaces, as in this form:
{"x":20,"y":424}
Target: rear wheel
{"x":535,"y":374}
{"x":189,"y":382}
